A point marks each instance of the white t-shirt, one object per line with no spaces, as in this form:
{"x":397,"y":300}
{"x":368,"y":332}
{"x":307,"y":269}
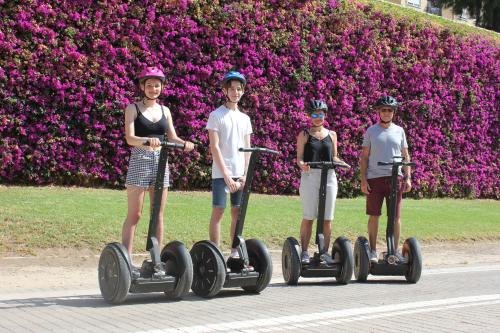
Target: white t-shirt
{"x":232,"y":126}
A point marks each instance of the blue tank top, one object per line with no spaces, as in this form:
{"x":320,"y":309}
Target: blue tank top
{"x":146,"y":128}
{"x":316,"y":150}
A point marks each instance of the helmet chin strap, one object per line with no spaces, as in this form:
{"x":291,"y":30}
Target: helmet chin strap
{"x":385,"y":122}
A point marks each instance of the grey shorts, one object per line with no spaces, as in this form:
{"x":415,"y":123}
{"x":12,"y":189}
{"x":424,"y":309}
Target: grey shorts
{"x":142,"y":168}
{"x":309,"y":193}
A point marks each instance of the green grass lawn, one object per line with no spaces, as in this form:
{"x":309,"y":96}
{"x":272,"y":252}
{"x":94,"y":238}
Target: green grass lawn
{"x":55,"y":217}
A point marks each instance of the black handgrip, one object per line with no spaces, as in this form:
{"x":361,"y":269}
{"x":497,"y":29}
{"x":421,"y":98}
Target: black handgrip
{"x":330,"y":163}
{"x":260,"y":150}
{"x":397,"y":163}
{"x":166,"y":144}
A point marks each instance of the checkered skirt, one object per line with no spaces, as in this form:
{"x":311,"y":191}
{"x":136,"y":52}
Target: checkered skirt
{"x":142,"y":168}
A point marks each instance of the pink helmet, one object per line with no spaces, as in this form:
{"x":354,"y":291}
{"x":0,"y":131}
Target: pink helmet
{"x":150,"y":73}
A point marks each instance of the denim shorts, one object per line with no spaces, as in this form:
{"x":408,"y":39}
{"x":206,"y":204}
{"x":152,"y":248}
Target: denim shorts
{"x":219,"y":195}
{"x":142,"y":168}
{"x":309,"y":194}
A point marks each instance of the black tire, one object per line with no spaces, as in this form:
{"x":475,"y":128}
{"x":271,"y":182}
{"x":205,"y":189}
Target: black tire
{"x":290,"y":261}
{"x":342,"y":248}
{"x":209,"y":271}
{"x":361,"y":259}
{"x":178,"y":263}
{"x":411,"y":250}
{"x":260,"y":259}
{"x":114,"y":273}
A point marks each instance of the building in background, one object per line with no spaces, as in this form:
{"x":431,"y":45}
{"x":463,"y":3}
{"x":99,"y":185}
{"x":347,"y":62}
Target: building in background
{"x":431,"y":7}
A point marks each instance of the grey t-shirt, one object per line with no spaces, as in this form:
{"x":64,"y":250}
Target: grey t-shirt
{"x":384,"y":144}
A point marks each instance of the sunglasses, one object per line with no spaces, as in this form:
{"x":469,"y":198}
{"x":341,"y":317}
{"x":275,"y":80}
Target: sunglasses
{"x":317,"y":115}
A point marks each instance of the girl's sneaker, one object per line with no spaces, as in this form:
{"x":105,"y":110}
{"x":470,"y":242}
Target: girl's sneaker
{"x":373,"y":256}
{"x":304,"y":258}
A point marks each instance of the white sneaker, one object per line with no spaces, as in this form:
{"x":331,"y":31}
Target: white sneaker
{"x":373,"y":256}
{"x":304,"y":258}
{"x":401,"y":259}
{"x":234,"y":254}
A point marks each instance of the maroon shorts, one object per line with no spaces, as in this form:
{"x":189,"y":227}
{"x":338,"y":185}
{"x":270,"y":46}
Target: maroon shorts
{"x":380,"y":189}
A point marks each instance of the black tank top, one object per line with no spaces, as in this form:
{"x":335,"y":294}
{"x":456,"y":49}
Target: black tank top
{"x":317,"y":150}
{"x":146,"y":128}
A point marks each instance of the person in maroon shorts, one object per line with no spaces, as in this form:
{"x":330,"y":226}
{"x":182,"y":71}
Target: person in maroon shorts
{"x":381,"y":143}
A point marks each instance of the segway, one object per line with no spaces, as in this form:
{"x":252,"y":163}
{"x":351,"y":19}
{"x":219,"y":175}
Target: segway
{"x":339,"y":264}
{"x":169,"y":271}
{"x":389,"y":264}
{"x":251,"y":271}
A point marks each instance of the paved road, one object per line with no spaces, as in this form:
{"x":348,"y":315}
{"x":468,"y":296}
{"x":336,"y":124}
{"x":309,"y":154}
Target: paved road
{"x":453,"y":299}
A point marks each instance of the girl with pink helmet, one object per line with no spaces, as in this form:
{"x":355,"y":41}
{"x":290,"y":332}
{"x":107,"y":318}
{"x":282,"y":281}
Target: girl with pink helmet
{"x":147,"y":122}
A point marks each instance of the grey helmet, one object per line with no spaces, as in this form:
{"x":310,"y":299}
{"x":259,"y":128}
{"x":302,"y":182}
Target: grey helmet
{"x":316,"y":105}
{"x":386,"y":101}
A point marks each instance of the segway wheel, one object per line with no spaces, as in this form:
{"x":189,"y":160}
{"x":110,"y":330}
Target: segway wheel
{"x":209,"y":271}
{"x":342,"y":251}
{"x":260,"y":259}
{"x":361,"y":259}
{"x":290,"y":261}
{"x":178,"y":264}
{"x":411,"y":250}
{"x":114,"y":273}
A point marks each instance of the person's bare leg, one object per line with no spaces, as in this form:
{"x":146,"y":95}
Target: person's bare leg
{"x":373,"y":231}
{"x":159,"y":227}
{"x":397,"y":231}
{"x":327,"y":233}
{"x":214,"y":227}
{"x":305,"y":233}
{"x":235,"y":211}
{"x":135,"y":199}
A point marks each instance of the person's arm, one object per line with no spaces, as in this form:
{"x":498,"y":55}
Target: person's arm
{"x":335,"y":155}
{"x":130,"y":137}
{"x":363,"y":165}
{"x":301,"y":143}
{"x":213,"y":136}
{"x":172,"y":135}
{"x":247,"y":158}
{"x":406,"y":170}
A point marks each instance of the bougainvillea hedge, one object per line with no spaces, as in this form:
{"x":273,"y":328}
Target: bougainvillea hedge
{"x":67,"y":70}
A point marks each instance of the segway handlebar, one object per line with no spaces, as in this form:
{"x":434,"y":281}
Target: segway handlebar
{"x":166,"y":144}
{"x":397,"y":163}
{"x":331,"y":164}
{"x":259,"y":149}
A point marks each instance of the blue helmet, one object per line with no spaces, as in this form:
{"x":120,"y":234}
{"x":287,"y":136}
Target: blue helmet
{"x":386,"y":101}
{"x":234,"y":76}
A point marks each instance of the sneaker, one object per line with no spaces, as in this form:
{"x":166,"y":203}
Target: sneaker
{"x":373,"y":256}
{"x":304,"y":258}
{"x":249,"y":268}
{"x":234,"y":254}
{"x":135,"y":273}
{"x":401,"y":259}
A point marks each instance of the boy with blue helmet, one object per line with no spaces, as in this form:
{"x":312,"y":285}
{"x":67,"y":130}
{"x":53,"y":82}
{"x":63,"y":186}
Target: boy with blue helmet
{"x":229,"y":129}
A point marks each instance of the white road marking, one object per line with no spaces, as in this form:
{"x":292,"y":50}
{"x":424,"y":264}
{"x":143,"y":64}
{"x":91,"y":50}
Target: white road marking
{"x":338,"y":316}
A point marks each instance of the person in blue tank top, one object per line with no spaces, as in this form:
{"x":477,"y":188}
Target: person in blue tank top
{"x":381,"y":143}
{"x":316,"y":144}
{"x":146,"y":121}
